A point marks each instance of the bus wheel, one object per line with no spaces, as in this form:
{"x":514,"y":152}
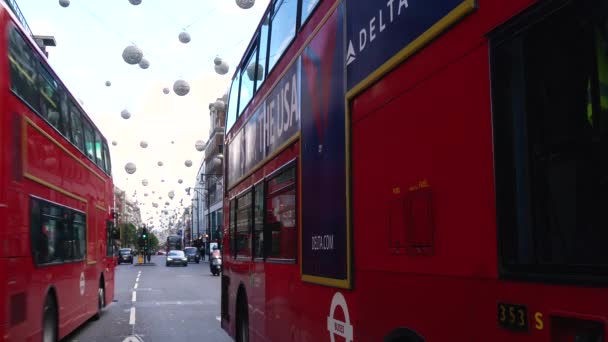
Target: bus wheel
{"x":403,"y":335}
{"x":101,"y":300}
{"x":242,"y":322}
{"x":49,"y":321}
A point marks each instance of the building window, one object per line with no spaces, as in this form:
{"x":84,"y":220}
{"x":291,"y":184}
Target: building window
{"x":258,"y":221}
{"x":280,"y":235}
{"x":110,"y":238}
{"x":58,"y":233}
{"x":550,"y":89}
{"x":283,"y":29}
{"x":243,"y":225}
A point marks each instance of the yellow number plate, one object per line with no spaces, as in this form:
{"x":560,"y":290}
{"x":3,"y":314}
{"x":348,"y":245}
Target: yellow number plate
{"x":512,"y":316}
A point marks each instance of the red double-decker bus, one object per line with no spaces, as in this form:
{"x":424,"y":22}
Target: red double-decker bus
{"x":56,"y":224}
{"x":419,"y":171}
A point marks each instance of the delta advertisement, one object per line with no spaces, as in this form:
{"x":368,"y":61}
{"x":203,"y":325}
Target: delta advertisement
{"x":324,"y":232}
{"x":378,"y":30}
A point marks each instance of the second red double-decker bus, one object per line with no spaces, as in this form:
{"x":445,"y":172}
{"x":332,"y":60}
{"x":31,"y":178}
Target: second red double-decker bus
{"x":56,"y":197}
{"x":411,"y":171}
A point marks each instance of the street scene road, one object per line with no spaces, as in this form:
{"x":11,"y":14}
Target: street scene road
{"x":158,"y":303}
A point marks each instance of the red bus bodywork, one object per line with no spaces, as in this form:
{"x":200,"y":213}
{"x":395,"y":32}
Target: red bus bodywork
{"x":36,"y":161}
{"x":423,"y":126}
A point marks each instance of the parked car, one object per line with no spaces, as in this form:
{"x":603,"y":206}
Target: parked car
{"x":192,"y":254}
{"x":125,"y":255}
{"x":176,"y":258}
{"x":161,"y":253}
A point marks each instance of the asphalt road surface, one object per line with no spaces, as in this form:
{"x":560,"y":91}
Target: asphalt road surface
{"x":158,"y":304}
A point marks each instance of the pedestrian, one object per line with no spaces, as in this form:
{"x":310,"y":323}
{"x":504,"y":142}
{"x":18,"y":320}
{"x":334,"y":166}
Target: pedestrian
{"x":202,"y":251}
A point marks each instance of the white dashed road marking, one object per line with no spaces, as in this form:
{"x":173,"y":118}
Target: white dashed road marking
{"x":132,"y":318}
{"x":134,"y":297}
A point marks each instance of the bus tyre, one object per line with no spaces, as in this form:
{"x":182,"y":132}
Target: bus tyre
{"x":49,"y":320}
{"x":101,"y":301}
{"x":242,"y":323}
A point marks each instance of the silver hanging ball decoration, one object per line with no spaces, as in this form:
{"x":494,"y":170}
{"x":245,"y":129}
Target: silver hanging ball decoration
{"x":132,"y":54}
{"x":143,"y":144}
{"x":114,"y":143}
{"x":219,"y":105}
{"x":144,"y":63}
{"x":222,"y":68}
{"x":200,"y":145}
{"x":181,"y":87}
{"x":166,"y":90}
{"x":251,"y":72}
{"x":184,"y":37}
{"x":130,"y":168}
{"x":64,"y":3}
{"x":245,"y":4}
{"x":135,"y":2}
{"x":180,"y":181}
{"x":125,"y":114}
{"x":81,"y":102}
{"x":217,"y":60}
{"x":160,"y":163}
{"x":108,"y":83}
{"x":188,"y":163}
{"x":144,"y":182}
{"x":173,"y":142}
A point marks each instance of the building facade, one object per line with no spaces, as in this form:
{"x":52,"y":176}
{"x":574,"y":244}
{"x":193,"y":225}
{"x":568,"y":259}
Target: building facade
{"x":127,"y":211}
{"x":208,"y":193}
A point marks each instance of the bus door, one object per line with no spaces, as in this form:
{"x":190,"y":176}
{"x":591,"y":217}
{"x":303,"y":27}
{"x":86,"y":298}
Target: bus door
{"x":90,"y":275}
{"x":110,"y":259}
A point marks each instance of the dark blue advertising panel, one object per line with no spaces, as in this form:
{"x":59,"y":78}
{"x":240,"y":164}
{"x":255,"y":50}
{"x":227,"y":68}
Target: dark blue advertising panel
{"x":324,"y":242}
{"x":377,"y":30}
{"x":274,"y":122}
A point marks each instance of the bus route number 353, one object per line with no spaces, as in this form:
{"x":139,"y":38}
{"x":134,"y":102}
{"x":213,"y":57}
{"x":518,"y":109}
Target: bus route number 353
{"x":512,"y":316}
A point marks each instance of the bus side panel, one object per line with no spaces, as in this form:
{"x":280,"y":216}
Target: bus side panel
{"x":4,"y":165}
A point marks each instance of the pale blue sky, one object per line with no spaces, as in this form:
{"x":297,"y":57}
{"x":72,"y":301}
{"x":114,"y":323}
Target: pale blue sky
{"x":91,"y":36}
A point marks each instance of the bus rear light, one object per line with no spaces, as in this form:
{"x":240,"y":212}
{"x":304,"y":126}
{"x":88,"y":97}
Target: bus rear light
{"x":565,"y":329}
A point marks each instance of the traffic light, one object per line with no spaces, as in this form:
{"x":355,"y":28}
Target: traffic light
{"x":144,"y":234}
